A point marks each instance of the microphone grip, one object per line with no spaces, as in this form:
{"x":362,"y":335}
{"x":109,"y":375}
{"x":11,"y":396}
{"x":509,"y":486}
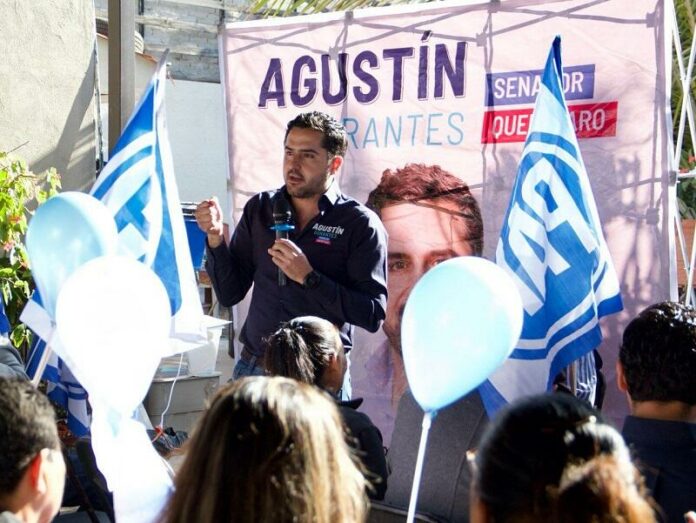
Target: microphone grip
{"x":282,"y":278}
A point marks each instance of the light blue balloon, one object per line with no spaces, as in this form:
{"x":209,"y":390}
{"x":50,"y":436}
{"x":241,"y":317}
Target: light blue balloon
{"x":66,"y":231}
{"x":461,"y":321}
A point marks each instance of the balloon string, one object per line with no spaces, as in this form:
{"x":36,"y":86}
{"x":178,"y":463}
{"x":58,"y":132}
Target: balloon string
{"x":169,"y":400}
{"x":427,"y":421}
{"x":44,"y":359}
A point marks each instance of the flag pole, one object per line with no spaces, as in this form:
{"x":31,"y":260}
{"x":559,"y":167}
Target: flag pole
{"x":573,"y":377}
{"x":43,"y":361}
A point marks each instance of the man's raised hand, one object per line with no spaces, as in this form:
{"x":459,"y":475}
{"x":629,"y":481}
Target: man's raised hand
{"x":209,"y":219}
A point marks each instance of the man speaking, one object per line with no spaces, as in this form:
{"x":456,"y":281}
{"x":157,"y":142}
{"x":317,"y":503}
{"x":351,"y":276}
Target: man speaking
{"x":333,"y":258}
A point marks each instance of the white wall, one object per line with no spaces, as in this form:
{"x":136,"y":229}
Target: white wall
{"x":47,"y":86}
{"x":198,"y":137}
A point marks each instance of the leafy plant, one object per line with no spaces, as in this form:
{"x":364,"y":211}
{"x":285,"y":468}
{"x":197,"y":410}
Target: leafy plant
{"x":272,"y":8}
{"x":20,"y":191}
{"x":686,"y":190}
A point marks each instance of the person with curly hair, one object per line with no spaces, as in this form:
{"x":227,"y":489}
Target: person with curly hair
{"x":657,"y":371}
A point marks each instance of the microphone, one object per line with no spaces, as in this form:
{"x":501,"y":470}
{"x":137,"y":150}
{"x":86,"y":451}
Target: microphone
{"x":282,"y":218}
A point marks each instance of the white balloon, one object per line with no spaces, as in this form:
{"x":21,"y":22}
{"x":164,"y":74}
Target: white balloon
{"x":134,"y":472}
{"x":113,"y":319}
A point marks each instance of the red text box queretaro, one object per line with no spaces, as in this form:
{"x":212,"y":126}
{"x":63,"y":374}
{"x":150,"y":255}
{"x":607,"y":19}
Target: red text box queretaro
{"x":595,"y":120}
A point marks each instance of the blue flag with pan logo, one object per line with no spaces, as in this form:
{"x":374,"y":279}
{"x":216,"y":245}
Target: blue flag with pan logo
{"x":551,"y":243}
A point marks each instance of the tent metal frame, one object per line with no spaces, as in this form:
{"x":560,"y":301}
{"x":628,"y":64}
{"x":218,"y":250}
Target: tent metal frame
{"x":686,"y":117}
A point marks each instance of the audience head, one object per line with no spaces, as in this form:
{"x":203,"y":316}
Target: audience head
{"x":272,"y":450}
{"x":551,"y":458}
{"x":657,"y":359}
{"x":308,"y":349}
{"x":32,"y":470}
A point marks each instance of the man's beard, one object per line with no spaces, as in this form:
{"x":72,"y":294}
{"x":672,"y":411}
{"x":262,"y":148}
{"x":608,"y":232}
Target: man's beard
{"x":304,"y":192}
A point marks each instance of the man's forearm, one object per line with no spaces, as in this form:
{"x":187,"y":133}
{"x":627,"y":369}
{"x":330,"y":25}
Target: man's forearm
{"x":215,"y":240}
{"x":358,"y":307}
{"x":229,"y":280}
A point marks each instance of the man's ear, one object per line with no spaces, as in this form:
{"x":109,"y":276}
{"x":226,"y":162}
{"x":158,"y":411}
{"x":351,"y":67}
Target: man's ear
{"x":333,"y":367}
{"x":335,"y":164}
{"x":34,"y":473}
{"x":333,"y":377}
{"x":621,"y":377}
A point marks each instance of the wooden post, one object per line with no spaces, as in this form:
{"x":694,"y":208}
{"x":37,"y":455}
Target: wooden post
{"x":121,"y":66}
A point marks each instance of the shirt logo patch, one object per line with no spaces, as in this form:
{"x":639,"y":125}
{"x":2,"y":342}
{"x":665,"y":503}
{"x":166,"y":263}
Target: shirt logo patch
{"x":325,"y":233}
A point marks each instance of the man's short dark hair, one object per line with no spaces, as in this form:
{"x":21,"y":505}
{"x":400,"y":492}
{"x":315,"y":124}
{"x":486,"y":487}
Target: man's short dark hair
{"x":658,"y":354}
{"x":27,"y":426}
{"x":335,"y":137}
{"x":416,"y":182}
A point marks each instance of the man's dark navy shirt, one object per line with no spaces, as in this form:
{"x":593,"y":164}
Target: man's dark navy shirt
{"x":665,"y":452}
{"x":345,"y":243}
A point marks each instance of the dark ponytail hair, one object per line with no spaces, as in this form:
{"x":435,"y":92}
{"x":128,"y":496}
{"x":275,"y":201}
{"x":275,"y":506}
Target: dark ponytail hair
{"x":301,"y":349}
{"x":552,"y":458}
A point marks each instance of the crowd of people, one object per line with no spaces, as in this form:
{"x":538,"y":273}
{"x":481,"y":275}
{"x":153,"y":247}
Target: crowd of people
{"x":285,"y":441}
{"x":284,"y":447}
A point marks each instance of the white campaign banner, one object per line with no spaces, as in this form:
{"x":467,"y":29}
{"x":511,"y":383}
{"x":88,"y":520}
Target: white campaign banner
{"x":453,"y":85}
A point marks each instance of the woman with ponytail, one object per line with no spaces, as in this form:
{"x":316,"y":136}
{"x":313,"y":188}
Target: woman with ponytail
{"x":309,"y":349}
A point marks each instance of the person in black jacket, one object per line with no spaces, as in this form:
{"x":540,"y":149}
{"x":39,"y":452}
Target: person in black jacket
{"x":657,"y":371}
{"x":11,"y":365}
{"x":309,"y":349}
{"x":334,"y":259}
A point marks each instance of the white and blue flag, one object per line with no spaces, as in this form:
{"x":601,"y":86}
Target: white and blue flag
{"x":61,"y":386}
{"x":551,"y":243}
{"x":138,"y":186}
{"x":4,"y":321}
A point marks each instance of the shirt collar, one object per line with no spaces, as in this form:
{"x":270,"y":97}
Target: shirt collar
{"x":330,"y":197}
{"x":351,"y":404}
{"x":648,"y":430}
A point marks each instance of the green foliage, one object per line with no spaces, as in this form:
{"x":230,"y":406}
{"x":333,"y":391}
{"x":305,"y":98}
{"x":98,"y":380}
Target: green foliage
{"x":271,"y":8}
{"x":686,"y":190}
{"x":20,"y":189}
